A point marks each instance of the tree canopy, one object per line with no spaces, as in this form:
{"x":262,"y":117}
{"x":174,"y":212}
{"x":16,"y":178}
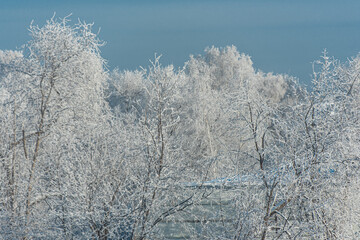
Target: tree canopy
{"x":92,"y":153}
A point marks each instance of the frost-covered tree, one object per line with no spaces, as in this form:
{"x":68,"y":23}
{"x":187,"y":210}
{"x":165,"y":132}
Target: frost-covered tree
{"x":152,"y":113}
{"x":56,"y":98}
{"x":330,"y":121}
{"x":317,"y":171}
{"x":230,"y":99}
{"x":217,"y":149}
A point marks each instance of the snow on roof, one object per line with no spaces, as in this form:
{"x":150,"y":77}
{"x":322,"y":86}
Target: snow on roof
{"x":237,"y":180}
{"x":252,"y":179}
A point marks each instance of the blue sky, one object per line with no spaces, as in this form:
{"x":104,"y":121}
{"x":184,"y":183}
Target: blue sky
{"x":281,"y":36}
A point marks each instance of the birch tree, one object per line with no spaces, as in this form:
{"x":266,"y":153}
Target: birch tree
{"x":56,"y":98}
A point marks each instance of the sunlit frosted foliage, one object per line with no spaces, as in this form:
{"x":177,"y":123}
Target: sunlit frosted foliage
{"x":214,"y":150}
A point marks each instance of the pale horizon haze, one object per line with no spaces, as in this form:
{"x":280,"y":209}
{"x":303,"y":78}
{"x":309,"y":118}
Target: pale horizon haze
{"x":280,"y":36}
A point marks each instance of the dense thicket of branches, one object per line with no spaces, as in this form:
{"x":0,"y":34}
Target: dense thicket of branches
{"x":87,"y":153}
